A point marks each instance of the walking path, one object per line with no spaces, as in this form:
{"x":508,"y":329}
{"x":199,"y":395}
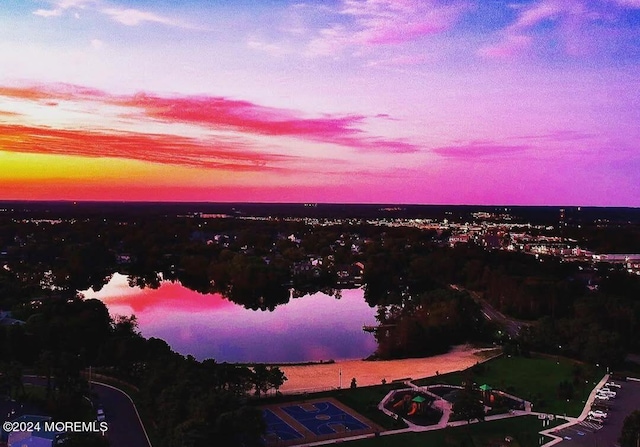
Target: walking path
{"x":585,"y":411}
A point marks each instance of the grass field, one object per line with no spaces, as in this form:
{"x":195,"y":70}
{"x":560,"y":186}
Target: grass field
{"x":523,"y":430}
{"x":535,"y":379}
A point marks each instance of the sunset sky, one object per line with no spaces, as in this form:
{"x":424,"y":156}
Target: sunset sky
{"x":357,"y":101}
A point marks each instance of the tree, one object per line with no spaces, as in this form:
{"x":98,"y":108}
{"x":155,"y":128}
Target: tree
{"x":630,"y":435}
{"x":261,"y":378}
{"x":11,"y":378}
{"x":276,"y":378}
{"x":468,"y":405}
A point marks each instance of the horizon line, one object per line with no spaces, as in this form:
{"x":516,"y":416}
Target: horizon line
{"x":308,"y":204}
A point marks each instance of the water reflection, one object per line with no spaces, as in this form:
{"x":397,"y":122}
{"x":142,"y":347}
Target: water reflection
{"x":310,"y":328}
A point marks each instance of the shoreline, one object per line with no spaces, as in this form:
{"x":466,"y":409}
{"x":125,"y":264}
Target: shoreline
{"x":316,"y":377}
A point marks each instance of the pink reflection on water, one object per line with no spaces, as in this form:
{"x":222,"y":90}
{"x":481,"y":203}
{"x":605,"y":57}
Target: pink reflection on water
{"x":316,"y":327}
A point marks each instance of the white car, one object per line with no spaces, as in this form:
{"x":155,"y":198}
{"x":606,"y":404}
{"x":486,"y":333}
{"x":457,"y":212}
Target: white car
{"x":602,"y":396}
{"x":595,"y":419}
{"x":597,"y":414}
{"x":613,"y":385}
{"x":100,"y":416}
{"x":607,"y":393}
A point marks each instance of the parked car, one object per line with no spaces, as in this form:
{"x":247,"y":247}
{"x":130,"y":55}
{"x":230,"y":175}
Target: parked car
{"x":100,"y":416}
{"x":607,"y":393}
{"x":595,"y":419}
{"x":602,"y":396}
{"x":597,"y":414}
{"x":613,"y":385}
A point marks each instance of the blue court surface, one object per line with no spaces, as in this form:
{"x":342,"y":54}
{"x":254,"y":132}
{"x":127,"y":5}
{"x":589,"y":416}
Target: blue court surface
{"x":324,"y":418}
{"x":279,"y":428}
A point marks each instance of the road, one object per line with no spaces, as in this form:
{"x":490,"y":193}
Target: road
{"x":511,"y":326}
{"x":125,"y":427}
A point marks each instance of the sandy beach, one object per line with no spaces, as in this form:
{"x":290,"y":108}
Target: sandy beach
{"x":318,"y":377}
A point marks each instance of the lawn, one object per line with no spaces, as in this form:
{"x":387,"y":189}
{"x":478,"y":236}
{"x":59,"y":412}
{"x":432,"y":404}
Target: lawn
{"x":523,"y":430}
{"x":535,"y":379}
{"x":365,"y":401}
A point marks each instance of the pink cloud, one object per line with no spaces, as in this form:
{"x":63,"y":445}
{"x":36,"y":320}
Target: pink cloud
{"x":478,"y":150}
{"x":250,"y":118}
{"x":386,"y":22}
{"x":559,"y":136}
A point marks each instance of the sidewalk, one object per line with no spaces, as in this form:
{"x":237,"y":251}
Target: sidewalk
{"x":585,"y":411}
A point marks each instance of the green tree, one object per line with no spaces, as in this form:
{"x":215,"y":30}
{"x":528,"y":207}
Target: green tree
{"x":276,"y":378}
{"x":630,"y":436}
{"x":468,"y":405}
{"x":261,"y":378}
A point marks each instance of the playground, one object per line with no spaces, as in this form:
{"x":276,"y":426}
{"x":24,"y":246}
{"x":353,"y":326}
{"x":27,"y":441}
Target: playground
{"x":414,"y":406}
{"x":309,"y":421}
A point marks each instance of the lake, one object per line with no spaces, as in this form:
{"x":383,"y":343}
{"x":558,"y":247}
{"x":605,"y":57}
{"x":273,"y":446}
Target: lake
{"x":311,"y":328}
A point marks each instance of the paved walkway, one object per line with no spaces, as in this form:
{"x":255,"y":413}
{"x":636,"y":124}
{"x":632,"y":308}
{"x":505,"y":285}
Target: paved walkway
{"x":585,"y":411}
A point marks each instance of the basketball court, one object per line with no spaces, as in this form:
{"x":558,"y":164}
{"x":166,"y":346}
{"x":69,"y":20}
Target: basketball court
{"x":297,"y":423}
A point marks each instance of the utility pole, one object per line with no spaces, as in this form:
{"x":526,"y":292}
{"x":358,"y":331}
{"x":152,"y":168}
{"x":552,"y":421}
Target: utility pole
{"x":340,"y":379}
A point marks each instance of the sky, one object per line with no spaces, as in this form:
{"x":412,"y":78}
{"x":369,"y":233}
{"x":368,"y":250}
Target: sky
{"x":518,"y":102}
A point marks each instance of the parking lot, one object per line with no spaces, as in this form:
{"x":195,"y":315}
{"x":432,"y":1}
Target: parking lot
{"x":589,"y":434}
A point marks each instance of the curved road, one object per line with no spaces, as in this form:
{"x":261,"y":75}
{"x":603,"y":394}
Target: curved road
{"x":125,"y":426}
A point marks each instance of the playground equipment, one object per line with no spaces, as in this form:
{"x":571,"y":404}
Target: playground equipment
{"x":402,"y":402}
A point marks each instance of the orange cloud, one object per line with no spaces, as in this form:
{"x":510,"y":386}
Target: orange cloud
{"x":155,"y":148}
{"x":222,"y":114}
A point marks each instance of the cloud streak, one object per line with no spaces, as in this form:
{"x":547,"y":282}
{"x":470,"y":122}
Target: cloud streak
{"x":162,"y":149}
{"x":565,"y":21}
{"x":124,"y":16}
{"x":246,"y":117}
{"x":480,"y":150}
{"x":365,"y":23}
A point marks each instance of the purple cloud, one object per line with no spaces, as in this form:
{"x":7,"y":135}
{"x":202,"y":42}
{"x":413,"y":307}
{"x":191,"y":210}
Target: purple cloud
{"x":477,"y":150}
{"x":386,"y":22}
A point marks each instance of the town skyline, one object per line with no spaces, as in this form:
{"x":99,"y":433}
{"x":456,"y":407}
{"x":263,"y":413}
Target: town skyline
{"x":437,"y":102}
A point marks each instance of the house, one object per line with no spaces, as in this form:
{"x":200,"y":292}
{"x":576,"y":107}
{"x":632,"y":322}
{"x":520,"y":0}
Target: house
{"x":350,"y":274}
{"x":458,"y":239}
